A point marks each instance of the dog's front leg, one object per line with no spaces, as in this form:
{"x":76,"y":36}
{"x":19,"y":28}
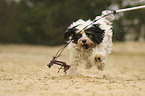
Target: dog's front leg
{"x":99,"y":61}
{"x":74,"y":61}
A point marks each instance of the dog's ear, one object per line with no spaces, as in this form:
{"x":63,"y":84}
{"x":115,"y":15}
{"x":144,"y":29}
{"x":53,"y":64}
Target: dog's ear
{"x":98,"y":33}
{"x":69,"y":32}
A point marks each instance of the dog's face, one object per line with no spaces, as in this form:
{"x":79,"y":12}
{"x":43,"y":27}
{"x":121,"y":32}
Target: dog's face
{"x":87,"y":38}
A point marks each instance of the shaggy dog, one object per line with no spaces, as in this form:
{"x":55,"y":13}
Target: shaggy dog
{"x":91,"y":41}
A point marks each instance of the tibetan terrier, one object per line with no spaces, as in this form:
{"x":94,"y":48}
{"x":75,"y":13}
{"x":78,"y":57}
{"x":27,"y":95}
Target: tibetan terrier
{"x":91,"y":41}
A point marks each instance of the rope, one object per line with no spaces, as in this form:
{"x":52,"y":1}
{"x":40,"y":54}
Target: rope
{"x":129,"y":9}
{"x":59,"y":52}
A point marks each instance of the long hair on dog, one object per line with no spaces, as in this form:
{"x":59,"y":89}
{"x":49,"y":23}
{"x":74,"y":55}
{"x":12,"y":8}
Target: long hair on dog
{"x":91,"y":41}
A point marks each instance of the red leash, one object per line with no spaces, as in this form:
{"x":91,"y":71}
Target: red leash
{"x":62,"y":64}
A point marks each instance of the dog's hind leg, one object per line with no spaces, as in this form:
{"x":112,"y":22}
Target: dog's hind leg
{"x":88,"y":65}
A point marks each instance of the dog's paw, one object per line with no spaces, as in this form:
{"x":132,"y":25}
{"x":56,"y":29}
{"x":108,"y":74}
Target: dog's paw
{"x":99,"y":58}
{"x":88,"y":66}
{"x":100,"y":66}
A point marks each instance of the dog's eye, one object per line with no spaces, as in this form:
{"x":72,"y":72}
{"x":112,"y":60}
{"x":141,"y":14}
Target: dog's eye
{"x":89,"y":35}
{"x":79,"y":35}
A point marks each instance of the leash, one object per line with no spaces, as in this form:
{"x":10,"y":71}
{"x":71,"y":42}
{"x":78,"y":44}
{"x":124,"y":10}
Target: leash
{"x":130,"y":9}
{"x":64,"y":65}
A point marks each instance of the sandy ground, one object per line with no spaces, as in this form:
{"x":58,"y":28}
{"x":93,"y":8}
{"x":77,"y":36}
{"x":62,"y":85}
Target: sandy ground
{"x":23,"y":72}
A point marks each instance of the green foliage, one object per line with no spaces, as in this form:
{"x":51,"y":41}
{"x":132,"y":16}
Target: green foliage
{"x":44,"y":21}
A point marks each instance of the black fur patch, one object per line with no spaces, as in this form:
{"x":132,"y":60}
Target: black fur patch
{"x":96,"y":33}
{"x":69,"y":32}
{"x":72,"y":32}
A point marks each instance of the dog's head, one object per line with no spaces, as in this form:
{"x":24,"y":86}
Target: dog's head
{"x":86,"y":38}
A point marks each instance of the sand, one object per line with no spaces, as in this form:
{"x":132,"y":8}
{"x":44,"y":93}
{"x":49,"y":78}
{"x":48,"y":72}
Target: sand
{"x":23,"y":72}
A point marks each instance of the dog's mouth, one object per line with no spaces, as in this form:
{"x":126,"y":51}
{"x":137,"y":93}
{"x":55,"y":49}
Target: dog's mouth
{"x":86,"y":46}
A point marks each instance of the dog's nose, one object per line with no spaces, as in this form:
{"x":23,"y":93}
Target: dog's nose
{"x":84,"y":40}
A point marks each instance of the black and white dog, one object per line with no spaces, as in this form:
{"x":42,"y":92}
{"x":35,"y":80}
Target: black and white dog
{"x":93,"y":44}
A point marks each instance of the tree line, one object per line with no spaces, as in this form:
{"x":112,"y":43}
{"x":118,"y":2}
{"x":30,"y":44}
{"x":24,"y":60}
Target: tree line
{"x":45,"y":21}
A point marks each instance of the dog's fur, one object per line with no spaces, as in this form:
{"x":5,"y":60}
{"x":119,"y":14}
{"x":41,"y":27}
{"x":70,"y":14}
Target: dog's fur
{"x":93,"y":44}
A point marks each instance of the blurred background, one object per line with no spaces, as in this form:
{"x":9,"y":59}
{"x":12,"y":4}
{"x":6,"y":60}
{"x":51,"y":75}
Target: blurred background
{"x":44,"y":22}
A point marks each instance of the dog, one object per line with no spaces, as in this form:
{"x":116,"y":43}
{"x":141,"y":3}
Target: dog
{"x":91,"y":41}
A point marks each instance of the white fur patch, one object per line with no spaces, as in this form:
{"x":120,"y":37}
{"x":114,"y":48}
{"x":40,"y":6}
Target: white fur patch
{"x":102,"y":50}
